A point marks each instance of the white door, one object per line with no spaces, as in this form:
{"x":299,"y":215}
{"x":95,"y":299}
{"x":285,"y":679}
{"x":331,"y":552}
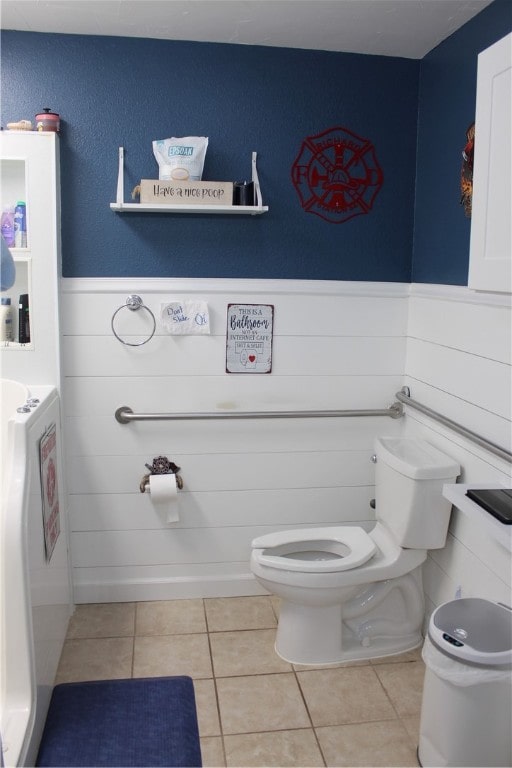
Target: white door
{"x":491,"y":243}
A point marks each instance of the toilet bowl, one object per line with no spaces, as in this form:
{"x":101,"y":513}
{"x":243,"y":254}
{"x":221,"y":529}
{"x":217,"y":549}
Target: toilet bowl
{"x":351,"y":594}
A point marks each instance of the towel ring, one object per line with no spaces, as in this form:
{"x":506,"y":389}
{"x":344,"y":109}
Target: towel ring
{"x":133,"y":303}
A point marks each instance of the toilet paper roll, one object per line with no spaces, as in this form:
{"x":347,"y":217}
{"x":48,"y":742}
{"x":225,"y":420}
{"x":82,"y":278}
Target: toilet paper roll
{"x":164,"y":496}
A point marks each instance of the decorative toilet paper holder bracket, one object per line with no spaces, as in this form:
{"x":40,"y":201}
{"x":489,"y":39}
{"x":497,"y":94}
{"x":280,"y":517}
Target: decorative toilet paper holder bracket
{"x":161,"y":466}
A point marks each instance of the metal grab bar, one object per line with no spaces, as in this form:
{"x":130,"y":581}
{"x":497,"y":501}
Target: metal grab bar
{"x":124,"y":414}
{"x":404,"y":397}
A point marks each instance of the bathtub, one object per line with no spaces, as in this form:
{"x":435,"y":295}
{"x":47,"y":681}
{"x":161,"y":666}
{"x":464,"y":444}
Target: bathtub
{"x":35,"y":588}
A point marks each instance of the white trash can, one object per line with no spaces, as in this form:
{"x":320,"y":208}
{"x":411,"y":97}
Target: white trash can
{"x":466,"y":712}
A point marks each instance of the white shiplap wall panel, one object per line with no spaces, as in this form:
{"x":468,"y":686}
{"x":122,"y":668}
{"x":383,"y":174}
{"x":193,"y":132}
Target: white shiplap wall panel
{"x":479,"y":329}
{"x":336,"y":346}
{"x":490,"y":426}
{"x":481,"y":381}
{"x":206,"y":355}
{"x":466,"y":570}
{"x":177,"y":546}
{"x":458,"y":364}
{"x":210,"y":509}
{"x":302,"y":308}
{"x":173,"y":545}
{"x":474,"y":538}
{"x":165,"y":437}
{"x":226,"y":471}
{"x":101,"y":396}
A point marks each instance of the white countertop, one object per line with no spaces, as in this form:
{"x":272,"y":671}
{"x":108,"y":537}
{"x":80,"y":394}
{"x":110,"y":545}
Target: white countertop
{"x":456,"y":493}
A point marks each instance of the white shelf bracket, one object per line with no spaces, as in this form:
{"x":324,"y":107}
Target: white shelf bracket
{"x":120,"y":178}
{"x":259,"y":200}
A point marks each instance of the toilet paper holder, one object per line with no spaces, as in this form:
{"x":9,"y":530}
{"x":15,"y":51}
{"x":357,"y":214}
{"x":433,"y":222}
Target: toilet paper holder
{"x":161,"y":466}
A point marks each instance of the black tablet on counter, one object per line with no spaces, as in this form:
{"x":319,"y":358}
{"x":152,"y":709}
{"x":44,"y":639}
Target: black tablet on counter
{"x":496,"y":501}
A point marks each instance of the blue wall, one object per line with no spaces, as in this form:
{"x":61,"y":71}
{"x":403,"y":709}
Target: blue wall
{"x":125,"y":91}
{"x":446,"y":109}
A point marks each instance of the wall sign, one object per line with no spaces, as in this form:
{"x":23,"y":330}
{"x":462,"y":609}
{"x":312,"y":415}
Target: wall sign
{"x":49,"y":489}
{"x":185,"y":318}
{"x":249,"y":338}
{"x":336,"y":175}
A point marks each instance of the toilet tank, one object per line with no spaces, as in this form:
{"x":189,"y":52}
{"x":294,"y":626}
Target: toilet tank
{"x":409,"y":478}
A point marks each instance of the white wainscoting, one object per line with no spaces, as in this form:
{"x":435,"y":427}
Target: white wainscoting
{"x":336,"y":346}
{"x":459,"y":364}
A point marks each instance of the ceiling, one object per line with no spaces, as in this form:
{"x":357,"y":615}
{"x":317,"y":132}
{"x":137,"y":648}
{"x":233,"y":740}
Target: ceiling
{"x":404,"y":28}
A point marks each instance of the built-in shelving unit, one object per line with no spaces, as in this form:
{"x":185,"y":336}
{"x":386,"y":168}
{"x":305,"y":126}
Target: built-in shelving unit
{"x":14,"y":187}
{"x":29,"y":171}
{"x":121,"y":207}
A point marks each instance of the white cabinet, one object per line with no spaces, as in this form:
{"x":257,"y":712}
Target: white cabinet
{"x":29,"y":169}
{"x":491,"y":243}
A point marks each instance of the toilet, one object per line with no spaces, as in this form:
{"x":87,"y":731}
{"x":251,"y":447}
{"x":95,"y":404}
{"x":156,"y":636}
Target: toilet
{"x":348,"y":594}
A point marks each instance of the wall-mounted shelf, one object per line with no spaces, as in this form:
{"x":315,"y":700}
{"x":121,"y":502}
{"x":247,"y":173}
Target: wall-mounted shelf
{"x":252,"y":210}
{"x":456,"y":493}
{"x":121,"y":207}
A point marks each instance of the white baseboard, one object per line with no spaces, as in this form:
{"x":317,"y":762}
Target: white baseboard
{"x":172,"y":589}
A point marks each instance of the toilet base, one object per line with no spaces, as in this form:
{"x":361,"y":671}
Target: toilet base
{"x":383,"y":619}
{"x":317,"y":635}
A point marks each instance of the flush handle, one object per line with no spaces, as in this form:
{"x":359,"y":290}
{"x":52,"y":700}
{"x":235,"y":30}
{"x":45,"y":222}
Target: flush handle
{"x":373,"y":458}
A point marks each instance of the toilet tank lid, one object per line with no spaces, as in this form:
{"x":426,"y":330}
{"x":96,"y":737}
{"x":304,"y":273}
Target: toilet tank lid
{"x":416,"y":459}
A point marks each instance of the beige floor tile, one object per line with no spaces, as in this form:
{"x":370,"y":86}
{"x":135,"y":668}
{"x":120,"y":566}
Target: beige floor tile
{"x":225,"y":614}
{"x":248,"y":652}
{"x":102,"y":620}
{"x":170,"y":617}
{"x":404,"y":685}
{"x":95,"y":659}
{"x":414,"y":655}
{"x":278,"y":748}
{"x":212,"y":752}
{"x":412,"y":726}
{"x":367,"y":744}
{"x":172,"y":655}
{"x":344,"y":695}
{"x":276,"y":604}
{"x":261,"y":703}
{"x":207,"y":710}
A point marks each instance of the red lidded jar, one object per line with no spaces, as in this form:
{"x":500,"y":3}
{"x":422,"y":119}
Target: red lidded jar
{"x":48,"y":121}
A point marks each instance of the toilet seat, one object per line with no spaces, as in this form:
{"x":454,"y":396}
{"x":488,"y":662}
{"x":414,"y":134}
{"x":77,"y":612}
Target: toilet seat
{"x":315,"y":550}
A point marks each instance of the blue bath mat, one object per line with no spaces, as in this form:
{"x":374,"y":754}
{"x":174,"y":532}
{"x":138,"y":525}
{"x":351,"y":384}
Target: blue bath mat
{"x":137,"y":722}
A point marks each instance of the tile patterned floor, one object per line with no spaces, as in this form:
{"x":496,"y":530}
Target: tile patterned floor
{"x":254,"y":709}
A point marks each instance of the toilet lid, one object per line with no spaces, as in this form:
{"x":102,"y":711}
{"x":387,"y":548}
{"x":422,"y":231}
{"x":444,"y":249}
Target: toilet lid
{"x":315,"y":550}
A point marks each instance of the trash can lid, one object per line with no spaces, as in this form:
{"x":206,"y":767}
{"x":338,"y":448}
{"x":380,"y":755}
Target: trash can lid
{"x":475,"y":630}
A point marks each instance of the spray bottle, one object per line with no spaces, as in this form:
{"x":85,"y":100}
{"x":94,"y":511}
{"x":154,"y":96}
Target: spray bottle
{"x":6,"y":324}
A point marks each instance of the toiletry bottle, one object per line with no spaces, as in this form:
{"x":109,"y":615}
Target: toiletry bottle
{"x":6,"y":326}
{"x":23,"y":320}
{"x":20,"y":225}
{"x":8,"y":226}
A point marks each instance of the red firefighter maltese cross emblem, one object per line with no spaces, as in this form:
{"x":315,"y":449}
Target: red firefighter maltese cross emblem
{"x":336,"y":175}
